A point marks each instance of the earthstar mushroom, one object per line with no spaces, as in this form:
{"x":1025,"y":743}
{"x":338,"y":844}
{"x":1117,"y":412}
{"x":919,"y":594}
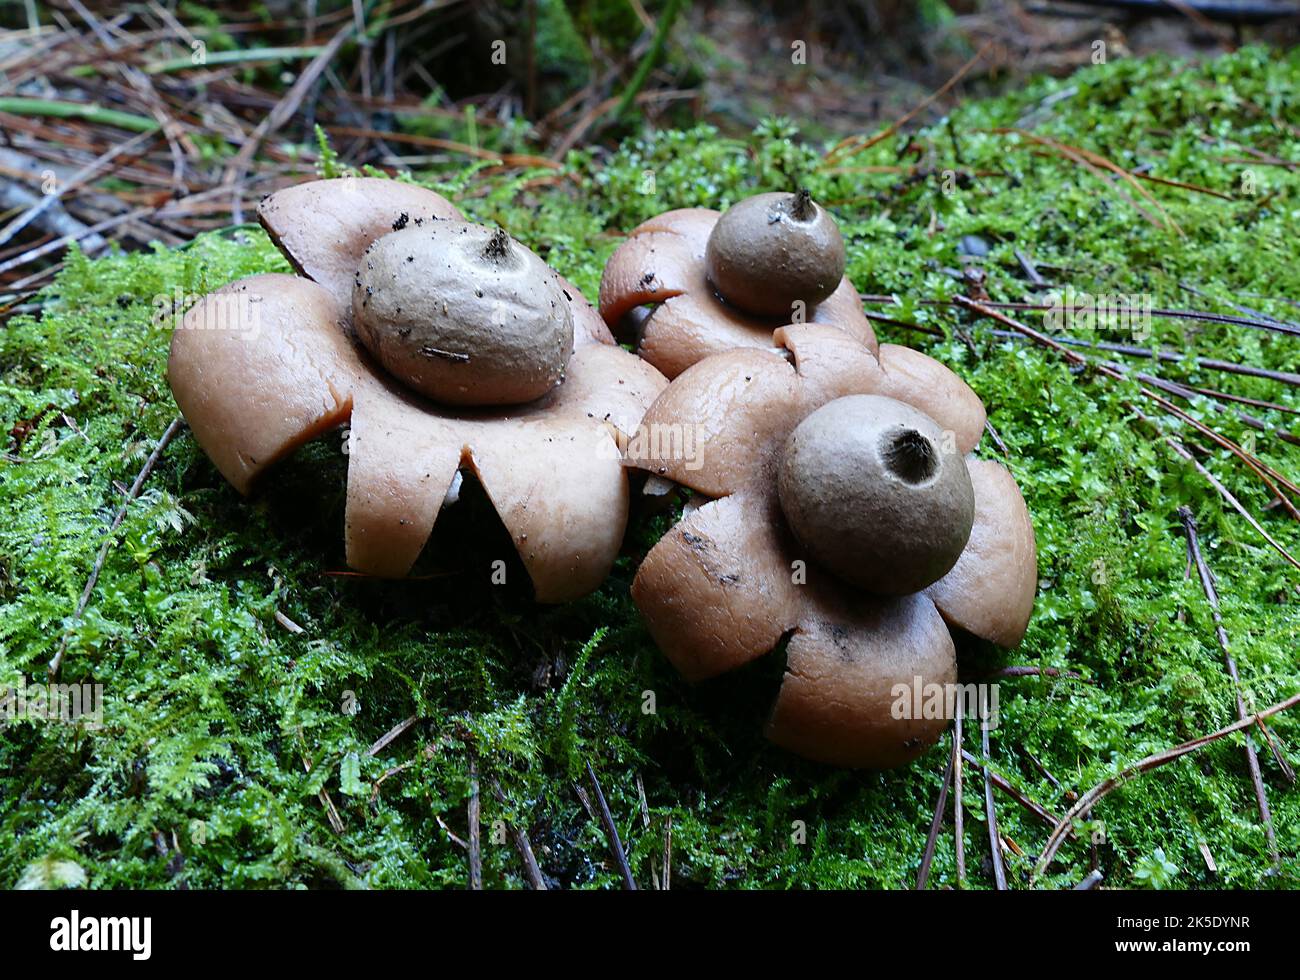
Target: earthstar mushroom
{"x":726,"y":583}
{"x":286,"y":368}
{"x":663,"y":264}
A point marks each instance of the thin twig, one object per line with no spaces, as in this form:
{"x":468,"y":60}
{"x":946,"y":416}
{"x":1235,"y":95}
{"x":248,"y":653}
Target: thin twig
{"x":668,"y":853}
{"x":1212,"y":597}
{"x":990,"y":809}
{"x":98,"y":567}
{"x":1097,"y":165}
{"x":32,"y":254}
{"x":281,"y":114}
{"x":1019,"y":671}
{"x":1165,"y":356}
{"x":1200,"y":316}
{"x":958,"y":817}
{"x":532,"y":871}
{"x":1047,"y":773}
{"x":923,"y":873}
{"x":1000,"y":782}
{"x":854,"y":145}
{"x":645,"y":825}
{"x":1285,"y":326}
{"x":1106,"y":786}
{"x":611,"y":832}
{"x":1214,"y":481}
{"x":475,"y":843}
{"x":387,"y":738}
{"x":1182,"y":391}
{"x":1265,"y":472}
{"x":48,"y":201}
{"x":331,"y":811}
{"x":997,"y":439}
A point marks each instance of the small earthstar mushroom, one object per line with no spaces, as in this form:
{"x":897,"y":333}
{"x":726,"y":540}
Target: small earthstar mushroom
{"x":876,"y":494}
{"x":463,"y":313}
{"x":771,"y":252}
{"x":657,"y":291}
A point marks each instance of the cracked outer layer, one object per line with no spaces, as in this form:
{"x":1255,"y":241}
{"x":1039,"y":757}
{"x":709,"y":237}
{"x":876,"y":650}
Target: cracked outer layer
{"x":265,"y":364}
{"x":662,"y":262}
{"x":722,"y":587}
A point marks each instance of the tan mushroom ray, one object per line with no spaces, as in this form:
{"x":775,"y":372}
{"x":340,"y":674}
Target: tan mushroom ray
{"x":662,"y":262}
{"x":724,"y":585}
{"x":267,"y":363}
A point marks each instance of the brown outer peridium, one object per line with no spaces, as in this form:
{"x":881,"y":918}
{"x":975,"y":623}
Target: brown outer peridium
{"x":990,"y":591}
{"x":717,"y":593}
{"x":845,"y":669}
{"x":551,"y":468}
{"x":258,"y":335}
{"x":715,"y":590}
{"x":662,"y":262}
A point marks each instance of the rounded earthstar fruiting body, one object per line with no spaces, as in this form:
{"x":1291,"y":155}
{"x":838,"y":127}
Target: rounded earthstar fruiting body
{"x":463,"y":313}
{"x":876,"y":493}
{"x":730,"y":580}
{"x":774,"y":254}
{"x":656,"y":289}
{"x":266,"y":363}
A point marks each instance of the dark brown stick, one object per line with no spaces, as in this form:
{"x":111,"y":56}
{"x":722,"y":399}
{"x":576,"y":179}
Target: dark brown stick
{"x":668,"y":853}
{"x":532,"y":871}
{"x":1047,"y":774}
{"x":1037,"y":809}
{"x":1214,"y":481}
{"x":611,"y":832}
{"x":281,"y":114}
{"x":958,"y":815}
{"x":1182,"y":391}
{"x":1166,"y":314}
{"x":1265,"y":472}
{"x":1286,"y":326}
{"x":997,"y":439}
{"x":1017,"y":671}
{"x":1167,"y":356}
{"x":391,"y":735}
{"x":1090,"y":881}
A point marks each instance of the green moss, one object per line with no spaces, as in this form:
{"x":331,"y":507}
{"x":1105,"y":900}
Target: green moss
{"x":212,"y":707}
